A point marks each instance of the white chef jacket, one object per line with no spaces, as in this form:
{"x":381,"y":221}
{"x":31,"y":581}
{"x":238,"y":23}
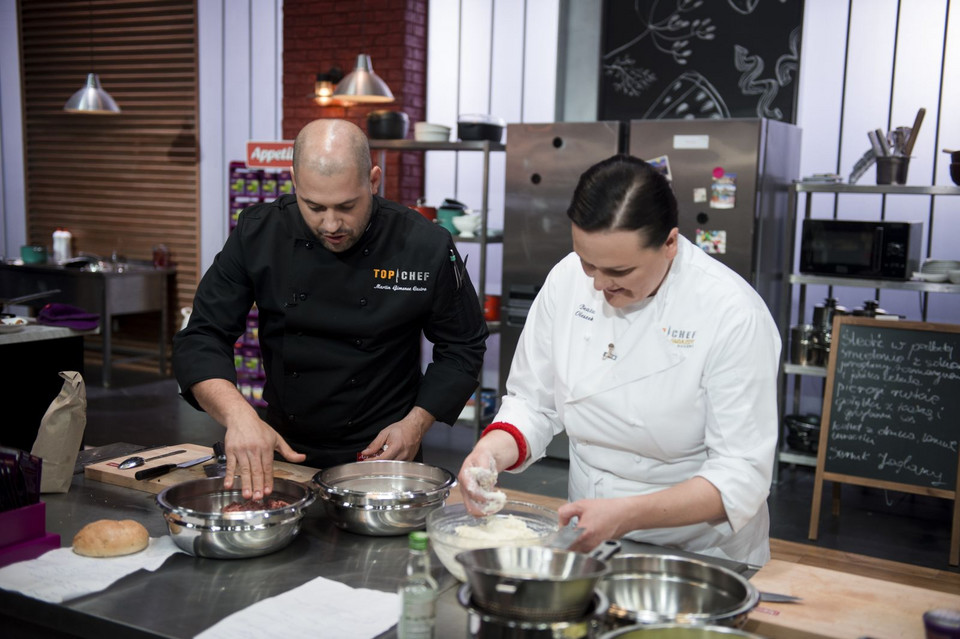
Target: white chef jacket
{"x":679,"y":385}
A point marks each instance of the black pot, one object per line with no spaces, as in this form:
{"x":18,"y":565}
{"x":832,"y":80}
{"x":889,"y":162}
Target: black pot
{"x":480,"y":127}
{"x":803,"y":433}
{"x":387,"y":125}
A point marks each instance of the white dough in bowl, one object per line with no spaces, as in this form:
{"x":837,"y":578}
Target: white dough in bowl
{"x":499,"y":529}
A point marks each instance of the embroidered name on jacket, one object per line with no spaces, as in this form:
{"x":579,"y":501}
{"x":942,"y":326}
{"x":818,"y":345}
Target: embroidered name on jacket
{"x":585,"y":312}
{"x":389,"y":279}
{"x":680,"y":337}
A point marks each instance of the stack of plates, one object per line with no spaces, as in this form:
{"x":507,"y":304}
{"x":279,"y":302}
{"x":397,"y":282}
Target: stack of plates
{"x":939,"y":271}
{"x":427,"y":132}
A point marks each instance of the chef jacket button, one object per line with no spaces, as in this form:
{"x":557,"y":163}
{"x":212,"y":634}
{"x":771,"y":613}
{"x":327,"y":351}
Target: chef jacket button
{"x":286,"y":304}
{"x":357,"y":342}
{"x":303,"y":297}
{"x":366,"y":251}
{"x":309,"y":245}
{"x":363,"y":301}
{"x":349,"y":422}
{"x":353,"y":382}
{"x":291,"y":418}
{"x":295,"y":375}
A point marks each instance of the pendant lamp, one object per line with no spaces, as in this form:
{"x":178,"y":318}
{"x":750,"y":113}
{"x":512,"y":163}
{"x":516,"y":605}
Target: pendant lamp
{"x":362,"y":85}
{"x":91,"y":98}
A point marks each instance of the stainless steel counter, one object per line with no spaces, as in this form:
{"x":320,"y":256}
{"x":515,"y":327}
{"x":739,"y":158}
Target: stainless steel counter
{"x":187,"y":595}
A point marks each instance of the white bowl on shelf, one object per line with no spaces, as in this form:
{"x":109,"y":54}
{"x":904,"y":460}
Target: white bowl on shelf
{"x":467,"y":225}
{"x":427,"y":132}
{"x":930,"y":277}
{"x":954,"y":276}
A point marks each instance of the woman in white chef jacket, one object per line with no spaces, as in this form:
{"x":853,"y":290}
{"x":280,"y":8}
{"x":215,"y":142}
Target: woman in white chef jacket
{"x":660,"y":363}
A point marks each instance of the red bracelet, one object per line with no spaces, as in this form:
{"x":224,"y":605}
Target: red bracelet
{"x":517,"y":437}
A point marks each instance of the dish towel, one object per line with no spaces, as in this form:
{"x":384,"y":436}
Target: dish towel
{"x":340,"y":611}
{"x":62,"y":574}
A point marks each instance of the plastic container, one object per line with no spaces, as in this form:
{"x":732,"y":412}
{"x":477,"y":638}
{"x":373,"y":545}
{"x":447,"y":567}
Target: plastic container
{"x":62,"y":250}
{"x":480,"y":127}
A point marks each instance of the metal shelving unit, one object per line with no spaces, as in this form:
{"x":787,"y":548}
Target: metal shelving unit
{"x":484,"y":236}
{"x":801,"y":280}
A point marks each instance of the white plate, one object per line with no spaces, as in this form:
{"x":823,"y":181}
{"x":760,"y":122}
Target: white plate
{"x":940,"y":266}
{"x":954,"y":276}
{"x":930,"y":277}
{"x":12,"y":324}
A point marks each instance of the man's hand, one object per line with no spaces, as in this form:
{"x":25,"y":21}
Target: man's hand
{"x":249,"y":442}
{"x":249,"y":447}
{"x":401,"y":440}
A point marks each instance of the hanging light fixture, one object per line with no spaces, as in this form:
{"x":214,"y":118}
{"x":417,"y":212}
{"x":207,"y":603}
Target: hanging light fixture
{"x":91,"y":98}
{"x":324,"y":86}
{"x":362,"y":85}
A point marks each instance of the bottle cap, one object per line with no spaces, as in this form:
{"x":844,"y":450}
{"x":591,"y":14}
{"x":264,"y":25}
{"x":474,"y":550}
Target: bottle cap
{"x":418,"y":540}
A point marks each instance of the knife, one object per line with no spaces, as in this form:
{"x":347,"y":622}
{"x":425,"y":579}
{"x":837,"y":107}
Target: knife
{"x":163,"y":469}
{"x":776,"y":597}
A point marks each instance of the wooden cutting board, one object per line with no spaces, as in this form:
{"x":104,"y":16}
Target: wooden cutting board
{"x":841,"y":605}
{"x":108,"y":473}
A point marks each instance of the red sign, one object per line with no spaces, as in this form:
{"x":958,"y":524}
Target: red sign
{"x":267,"y":155}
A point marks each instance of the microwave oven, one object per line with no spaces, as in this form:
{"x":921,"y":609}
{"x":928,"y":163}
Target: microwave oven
{"x":874,"y":250}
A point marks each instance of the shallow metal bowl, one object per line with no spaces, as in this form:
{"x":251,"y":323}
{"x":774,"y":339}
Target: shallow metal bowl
{"x":443,"y":524}
{"x":382,"y":497}
{"x":193,"y":512}
{"x":677,"y":631}
{"x":534,"y":582}
{"x":650,"y":588}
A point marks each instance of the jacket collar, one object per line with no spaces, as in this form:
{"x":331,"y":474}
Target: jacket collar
{"x":301,"y":232}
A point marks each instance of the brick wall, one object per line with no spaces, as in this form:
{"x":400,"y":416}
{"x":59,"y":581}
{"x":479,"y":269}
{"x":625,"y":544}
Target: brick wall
{"x":319,"y":34}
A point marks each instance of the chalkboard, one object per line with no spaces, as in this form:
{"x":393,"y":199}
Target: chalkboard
{"x":891,"y":412}
{"x":674,"y":59}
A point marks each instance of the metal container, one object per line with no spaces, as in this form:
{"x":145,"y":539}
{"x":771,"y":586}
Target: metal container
{"x":482,"y":624}
{"x":382,"y":497}
{"x":444,"y":526}
{"x":534,"y":582}
{"x":678,"y":631}
{"x":650,"y":588}
{"x":193,"y":512}
{"x":803,"y":346}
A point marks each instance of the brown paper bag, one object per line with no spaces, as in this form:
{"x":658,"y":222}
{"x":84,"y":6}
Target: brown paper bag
{"x":61,"y":431}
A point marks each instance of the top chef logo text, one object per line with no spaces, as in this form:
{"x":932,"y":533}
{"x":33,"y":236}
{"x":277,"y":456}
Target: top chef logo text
{"x":680,"y":337}
{"x":401,"y":280}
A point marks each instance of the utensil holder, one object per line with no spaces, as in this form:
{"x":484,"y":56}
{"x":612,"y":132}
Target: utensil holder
{"x":892,"y":169}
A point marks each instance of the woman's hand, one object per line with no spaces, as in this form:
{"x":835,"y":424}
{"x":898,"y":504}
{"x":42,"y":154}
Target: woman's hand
{"x":600,"y":519}
{"x":495,"y":451}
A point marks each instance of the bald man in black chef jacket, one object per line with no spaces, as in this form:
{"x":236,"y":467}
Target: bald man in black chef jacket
{"x":345,"y":283}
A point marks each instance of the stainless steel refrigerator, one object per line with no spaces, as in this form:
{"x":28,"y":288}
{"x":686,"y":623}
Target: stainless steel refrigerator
{"x":730,"y":178}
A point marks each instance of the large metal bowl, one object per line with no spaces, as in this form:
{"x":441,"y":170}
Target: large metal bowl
{"x":657,"y":589}
{"x":444,"y":527}
{"x":382,"y":497}
{"x":677,"y":631}
{"x":193,"y":512}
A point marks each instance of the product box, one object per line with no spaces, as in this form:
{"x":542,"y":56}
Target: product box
{"x":23,"y":534}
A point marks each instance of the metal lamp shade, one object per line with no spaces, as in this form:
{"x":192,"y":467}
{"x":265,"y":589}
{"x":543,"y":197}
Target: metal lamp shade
{"x":91,"y":99}
{"x":362,"y":85}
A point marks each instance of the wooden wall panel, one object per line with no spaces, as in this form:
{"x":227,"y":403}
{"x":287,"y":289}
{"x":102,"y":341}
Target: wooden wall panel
{"x":121,"y":182}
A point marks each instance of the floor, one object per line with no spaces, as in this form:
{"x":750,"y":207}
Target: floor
{"x":143,"y":408}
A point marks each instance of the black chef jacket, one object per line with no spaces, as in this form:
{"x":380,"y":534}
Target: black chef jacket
{"x":339,"y":332}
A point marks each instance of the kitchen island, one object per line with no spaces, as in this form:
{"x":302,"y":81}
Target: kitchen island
{"x":188,"y":595}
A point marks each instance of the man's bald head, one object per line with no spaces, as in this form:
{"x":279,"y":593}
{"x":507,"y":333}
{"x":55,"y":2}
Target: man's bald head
{"x":330,"y":147}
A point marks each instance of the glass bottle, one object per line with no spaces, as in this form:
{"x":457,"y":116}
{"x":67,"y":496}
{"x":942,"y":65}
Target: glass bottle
{"x":418,"y":592}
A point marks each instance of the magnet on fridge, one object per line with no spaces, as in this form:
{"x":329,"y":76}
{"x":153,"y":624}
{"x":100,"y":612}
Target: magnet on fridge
{"x":714,"y":242}
{"x":662,"y":165}
{"x":723,"y":192}
{"x":700,"y":194}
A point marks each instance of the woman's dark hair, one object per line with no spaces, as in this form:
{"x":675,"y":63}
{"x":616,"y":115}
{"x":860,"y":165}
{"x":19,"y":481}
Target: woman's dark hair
{"x":624,"y":193}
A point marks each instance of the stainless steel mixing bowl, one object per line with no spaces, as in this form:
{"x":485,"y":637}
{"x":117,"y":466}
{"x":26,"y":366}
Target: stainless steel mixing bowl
{"x":651,"y":588}
{"x":535,"y":582}
{"x":382,"y":497}
{"x":193,"y":512}
{"x":678,"y":631}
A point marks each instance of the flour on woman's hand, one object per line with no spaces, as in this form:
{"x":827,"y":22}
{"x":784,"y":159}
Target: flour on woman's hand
{"x":485,"y":481}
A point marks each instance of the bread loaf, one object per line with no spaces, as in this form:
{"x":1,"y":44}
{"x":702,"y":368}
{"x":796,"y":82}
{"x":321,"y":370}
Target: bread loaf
{"x":111,"y":538}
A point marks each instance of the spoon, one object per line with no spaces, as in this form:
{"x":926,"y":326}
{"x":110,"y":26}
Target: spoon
{"x":133,"y":462}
